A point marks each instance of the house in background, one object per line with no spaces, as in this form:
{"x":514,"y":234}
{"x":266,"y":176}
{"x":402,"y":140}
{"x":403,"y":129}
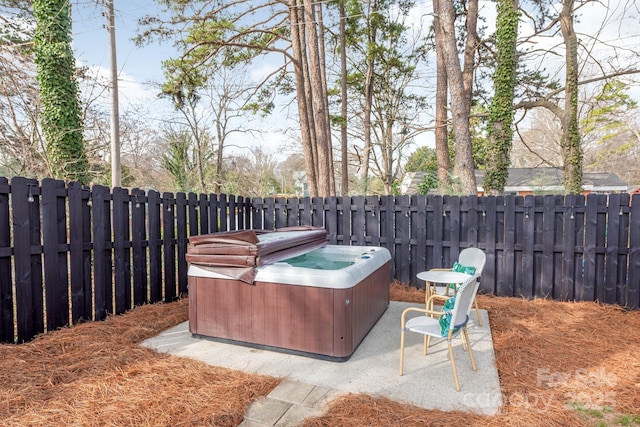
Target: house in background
{"x":524,"y":181}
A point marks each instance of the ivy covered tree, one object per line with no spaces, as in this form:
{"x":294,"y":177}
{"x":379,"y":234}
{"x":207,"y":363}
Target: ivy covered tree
{"x":61,"y":116}
{"x":500,"y":128}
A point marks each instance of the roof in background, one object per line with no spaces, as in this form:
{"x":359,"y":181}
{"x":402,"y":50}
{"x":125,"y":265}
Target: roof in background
{"x":533,"y":179}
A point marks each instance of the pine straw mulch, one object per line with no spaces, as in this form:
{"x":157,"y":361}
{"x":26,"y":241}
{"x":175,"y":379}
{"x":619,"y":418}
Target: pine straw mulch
{"x":552,"y":357}
{"x":96,"y":374}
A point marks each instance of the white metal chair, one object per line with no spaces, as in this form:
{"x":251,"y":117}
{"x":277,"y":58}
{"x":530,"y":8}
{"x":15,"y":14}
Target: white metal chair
{"x":469,"y":257}
{"x":428,"y":324}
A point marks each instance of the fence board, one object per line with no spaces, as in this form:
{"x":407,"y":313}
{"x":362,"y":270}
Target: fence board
{"x":35,"y":215}
{"x":6,"y":278}
{"x":601,"y":243}
{"x":588,"y":290}
{"x":490,"y":245}
{"x":139,"y":245}
{"x":293,"y":212}
{"x":622,"y":255}
{"x":518,"y":245}
{"x":528,"y":241}
{"x":611,"y":259}
{"x":269,"y":214}
{"x":454,"y":225}
{"x":203,"y":209}
{"x":281,"y":211}
{"x":28,"y":290}
{"x":168,"y":246}
{"x":317,"y":212}
{"x":387,"y":219}
{"x":548,"y":241}
{"x":192,"y":211}
{"x":469,"y":221}
{"x":633,"y":292}
{"x":499,"y":231}
{"x":103,"y":267}
{"x":436,"y":230}
{"x":217,"y":213}
{"x":506,"y":285}
{"x":331,"y":220}
{"x":359,"y":220}
{"x":54,"y":238}
{"x":155,"y":244}
{"x":246,"y":214}
{"x":372,"y":221}
{"x":232,"y":213}
{"x":579,"y":233}
{"x":256,"y":213}
{"x":558,"y":226}
{"x":79,"y":258}
{"x":121,"y":253}
{"x":305,"y":211}
{"x":566,"y":289}
{"x":181,"y":246}
{"x":344,"y":220}
{"x":418,"y":239}
{"x":402,"y":238}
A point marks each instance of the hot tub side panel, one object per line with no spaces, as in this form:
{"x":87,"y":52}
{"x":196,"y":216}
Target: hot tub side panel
{"x":221,"y":308}
{"x":297,"y":317}
{"x":316,"y":320}
{"x":367,"y":301}
{"x":271,"y":314}
{"x":370,"y":301}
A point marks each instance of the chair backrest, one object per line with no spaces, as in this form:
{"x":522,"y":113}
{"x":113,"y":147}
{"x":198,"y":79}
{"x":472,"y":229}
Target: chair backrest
{"x":463,"y":302}
{"x":473,"y":257}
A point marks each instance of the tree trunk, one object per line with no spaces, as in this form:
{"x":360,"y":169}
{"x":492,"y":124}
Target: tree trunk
{"x":464,"y":167}
{"x":441,"y":134}
{"x":325,"y":94}
{"x":571,"y":147}
{"x":304,"y":111}
{"x":368,"y":99}
{"x":344,"y":190}
{"x":471,"y":45}
{"x":319,"y":102}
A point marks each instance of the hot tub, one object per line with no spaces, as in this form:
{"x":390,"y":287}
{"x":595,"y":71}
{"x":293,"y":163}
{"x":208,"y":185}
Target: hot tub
{"x":320,"y":304}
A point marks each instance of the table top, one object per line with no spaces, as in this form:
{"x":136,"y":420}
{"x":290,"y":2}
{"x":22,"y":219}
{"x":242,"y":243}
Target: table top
{"x":439,"y":276}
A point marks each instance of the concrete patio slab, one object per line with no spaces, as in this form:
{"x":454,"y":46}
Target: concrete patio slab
{"x":372,"y":369}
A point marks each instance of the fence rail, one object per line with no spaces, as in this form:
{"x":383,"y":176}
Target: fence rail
{"x":69,"y":253}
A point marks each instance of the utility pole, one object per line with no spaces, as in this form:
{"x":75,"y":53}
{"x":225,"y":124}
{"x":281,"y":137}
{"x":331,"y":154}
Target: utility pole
{"x":115,"y":115}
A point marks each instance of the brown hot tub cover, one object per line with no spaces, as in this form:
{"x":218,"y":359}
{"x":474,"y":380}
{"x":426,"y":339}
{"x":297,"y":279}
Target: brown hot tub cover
{"x":237,"y":253}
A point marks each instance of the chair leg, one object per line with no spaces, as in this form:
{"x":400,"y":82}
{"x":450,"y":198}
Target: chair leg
{"x":427,"y":340}
{"x":475,"y":303}
{"x":401,"y":351}
{"x":473,"y":360}
{"x":453,"y":366}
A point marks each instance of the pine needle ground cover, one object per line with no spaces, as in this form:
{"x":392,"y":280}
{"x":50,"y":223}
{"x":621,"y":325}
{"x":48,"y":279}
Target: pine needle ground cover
{"x":563,"y":364}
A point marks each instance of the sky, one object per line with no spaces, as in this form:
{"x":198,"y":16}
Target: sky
{"x":139,"y":67}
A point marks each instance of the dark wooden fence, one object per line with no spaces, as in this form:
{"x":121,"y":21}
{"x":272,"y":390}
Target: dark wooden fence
{"x":69,"y":253}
